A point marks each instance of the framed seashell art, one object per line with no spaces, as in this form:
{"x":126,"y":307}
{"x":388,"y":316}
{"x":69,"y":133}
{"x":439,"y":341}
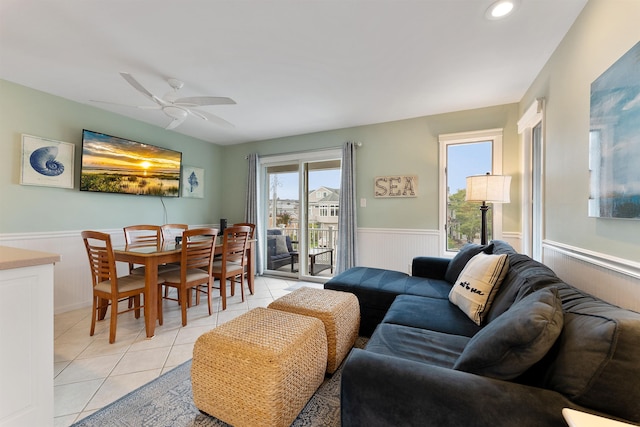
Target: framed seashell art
{"x":46,"y":162}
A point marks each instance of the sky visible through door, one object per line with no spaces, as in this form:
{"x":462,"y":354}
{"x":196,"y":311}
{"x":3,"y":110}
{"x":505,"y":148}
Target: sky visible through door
{"x":288,"y":182}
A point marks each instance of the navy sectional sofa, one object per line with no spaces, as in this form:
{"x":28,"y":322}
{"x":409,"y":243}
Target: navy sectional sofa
{"x":543,"y":346}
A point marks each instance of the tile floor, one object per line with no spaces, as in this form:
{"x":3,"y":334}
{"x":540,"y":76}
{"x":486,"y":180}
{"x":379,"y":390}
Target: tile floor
{"x":90,"y":373}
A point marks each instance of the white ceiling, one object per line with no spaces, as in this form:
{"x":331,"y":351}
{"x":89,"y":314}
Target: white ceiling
{"x":293,"y":67}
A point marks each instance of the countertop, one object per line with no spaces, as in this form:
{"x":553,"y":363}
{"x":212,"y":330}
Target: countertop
{"x":18,"y":258}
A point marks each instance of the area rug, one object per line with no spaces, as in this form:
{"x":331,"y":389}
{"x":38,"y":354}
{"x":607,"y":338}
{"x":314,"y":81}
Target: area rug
{"x":168,"y":401}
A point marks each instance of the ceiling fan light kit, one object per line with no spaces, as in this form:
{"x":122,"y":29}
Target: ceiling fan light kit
{"x":178,"y":109}
{"x":177,"y":114}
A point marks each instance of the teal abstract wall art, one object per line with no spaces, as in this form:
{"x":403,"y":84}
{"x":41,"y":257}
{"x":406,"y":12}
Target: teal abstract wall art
{"x":614,"y":140}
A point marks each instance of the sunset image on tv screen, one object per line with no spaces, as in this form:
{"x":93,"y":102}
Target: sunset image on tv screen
{"x":116,"y":165}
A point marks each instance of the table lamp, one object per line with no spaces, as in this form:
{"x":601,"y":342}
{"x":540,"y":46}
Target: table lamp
{"x":487,"y":189}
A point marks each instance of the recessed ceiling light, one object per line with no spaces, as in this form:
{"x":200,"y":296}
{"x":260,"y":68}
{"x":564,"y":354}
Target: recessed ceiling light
{"x":501,"y":9}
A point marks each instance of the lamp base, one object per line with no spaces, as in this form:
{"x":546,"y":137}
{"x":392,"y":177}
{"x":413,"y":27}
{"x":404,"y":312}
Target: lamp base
{"x":483,"y":230}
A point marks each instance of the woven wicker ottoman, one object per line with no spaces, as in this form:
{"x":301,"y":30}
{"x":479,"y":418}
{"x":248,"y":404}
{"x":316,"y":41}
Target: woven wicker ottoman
{"x":339,"y":311}
{"x":259,"y":369}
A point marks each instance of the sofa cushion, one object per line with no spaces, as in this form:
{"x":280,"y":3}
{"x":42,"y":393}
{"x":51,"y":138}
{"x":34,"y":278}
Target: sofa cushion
{"x":478,"y":283}
{"x":382,"y":286}
{"x":430,"y":313}
{"x":517,"y":339}
{"x":377,"y":288}
{"x":524,"y":276}
{"x":415,"y":344}
{"x":595,"y":360}
{"x":463,"y":256}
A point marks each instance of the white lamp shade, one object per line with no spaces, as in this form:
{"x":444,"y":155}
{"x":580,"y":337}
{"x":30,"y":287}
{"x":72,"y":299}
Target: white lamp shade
{"x":488,"y":188}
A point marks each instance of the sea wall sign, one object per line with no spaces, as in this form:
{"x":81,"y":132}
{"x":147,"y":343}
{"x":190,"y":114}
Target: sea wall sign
{"x":396,"y":186}
{"x":46,"y":162}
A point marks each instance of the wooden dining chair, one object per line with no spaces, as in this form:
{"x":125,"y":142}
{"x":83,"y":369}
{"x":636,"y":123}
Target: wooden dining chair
{"x":251,"y":234}
{"x":171,"y":231}
{"x":169,"y":234}
{"x":108,"y":288}
{"x":198,"y":247}
{"x":252,"y":228}
{"x":232,"y":263}
{"x":142,"y":235}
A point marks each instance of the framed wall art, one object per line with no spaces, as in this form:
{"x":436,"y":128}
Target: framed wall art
{"x":46,"y":162}
{"x":192,"y":182}
{"x":614,"y":140}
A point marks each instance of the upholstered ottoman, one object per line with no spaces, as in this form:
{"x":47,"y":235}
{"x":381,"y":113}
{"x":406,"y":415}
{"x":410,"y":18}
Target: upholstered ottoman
{"x":339,"y":311}
{"x":259,"y":369}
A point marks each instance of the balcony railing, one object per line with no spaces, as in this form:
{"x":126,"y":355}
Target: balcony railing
{"x":318,"y":237}
{"x":326,"y":238}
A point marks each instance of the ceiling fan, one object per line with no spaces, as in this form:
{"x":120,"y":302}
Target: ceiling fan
{"x":176,"y":108}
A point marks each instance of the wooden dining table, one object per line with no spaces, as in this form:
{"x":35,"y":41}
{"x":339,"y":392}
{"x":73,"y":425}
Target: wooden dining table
{"x":169,"y":252}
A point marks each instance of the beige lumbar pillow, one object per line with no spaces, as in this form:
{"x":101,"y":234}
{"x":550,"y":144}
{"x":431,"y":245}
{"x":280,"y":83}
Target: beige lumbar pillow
{"x":478,"y":284}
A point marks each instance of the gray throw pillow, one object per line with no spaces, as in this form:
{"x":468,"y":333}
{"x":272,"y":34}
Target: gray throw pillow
{"x":468,"y":251}
{"x":281,"y":245}
{"x":515,"y":340}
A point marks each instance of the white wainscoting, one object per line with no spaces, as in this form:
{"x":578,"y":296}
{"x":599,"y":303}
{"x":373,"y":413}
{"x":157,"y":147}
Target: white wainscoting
{"x":514,"y":239}
{"x":72,"y":278}
{"x":612,"y":279}
{"x":393,"y":249}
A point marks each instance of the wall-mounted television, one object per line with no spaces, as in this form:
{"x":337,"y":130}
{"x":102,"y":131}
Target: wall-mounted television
{"x":117,"y":165}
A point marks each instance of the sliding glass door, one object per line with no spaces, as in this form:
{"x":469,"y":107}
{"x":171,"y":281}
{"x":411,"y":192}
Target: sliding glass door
{"x":301,"y":212}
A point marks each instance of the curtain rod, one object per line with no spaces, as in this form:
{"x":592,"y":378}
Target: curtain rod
{"x":357,"y":144}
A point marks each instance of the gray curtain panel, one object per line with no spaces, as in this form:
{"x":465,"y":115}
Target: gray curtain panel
{"x":251,"y":209}
{"x":347,"y":255}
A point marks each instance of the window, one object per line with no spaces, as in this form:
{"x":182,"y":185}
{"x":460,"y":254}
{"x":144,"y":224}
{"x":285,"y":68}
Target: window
{"x":462,"y":155}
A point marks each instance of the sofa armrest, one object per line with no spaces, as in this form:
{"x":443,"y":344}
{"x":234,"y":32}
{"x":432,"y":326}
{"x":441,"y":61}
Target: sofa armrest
{"x":429,"y":267}
{"x":381,"y":390}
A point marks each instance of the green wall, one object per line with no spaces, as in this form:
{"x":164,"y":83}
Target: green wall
{"x":400,"y":147}
{"x":46,"y":209}
{"x":604,"y":31}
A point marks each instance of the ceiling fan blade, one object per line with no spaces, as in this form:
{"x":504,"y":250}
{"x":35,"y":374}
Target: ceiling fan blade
{"x":211,"y":118}
{"x":137,"y":86}
{"x":195,"y":101}
{"x":175,"y":123}
{"x":142,"y":107}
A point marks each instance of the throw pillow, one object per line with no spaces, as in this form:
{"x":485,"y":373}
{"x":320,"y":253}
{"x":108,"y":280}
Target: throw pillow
{"x":468,"y":251}
{"x":281,"y":245}
{"x":478,"y":283}
{"x":515,"y":340}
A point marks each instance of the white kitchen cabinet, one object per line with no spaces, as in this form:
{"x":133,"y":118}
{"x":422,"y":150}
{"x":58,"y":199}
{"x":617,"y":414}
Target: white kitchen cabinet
{"x":26,"y":337}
